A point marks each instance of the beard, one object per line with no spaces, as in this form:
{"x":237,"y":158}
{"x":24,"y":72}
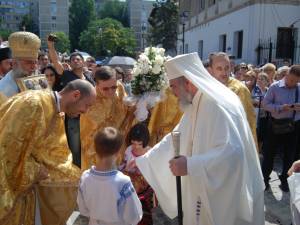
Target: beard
{"x":18,"y":73}
{"x":185,"y":100}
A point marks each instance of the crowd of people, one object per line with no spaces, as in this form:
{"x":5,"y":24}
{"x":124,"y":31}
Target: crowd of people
{"x":274,"y":94}
{"x":79,"y":138}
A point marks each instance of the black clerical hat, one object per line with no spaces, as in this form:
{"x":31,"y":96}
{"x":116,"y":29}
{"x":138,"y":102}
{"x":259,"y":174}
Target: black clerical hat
{"x":5,"y":53}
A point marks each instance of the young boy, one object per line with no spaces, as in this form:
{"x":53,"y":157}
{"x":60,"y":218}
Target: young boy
{"x":105,"y":194}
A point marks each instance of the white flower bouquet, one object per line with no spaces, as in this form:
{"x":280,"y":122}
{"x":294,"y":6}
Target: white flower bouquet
{"x":149,"y":81}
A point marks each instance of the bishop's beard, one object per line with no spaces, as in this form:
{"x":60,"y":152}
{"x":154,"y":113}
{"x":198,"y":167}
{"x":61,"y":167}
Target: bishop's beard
{"x":185,"y":101}
{"x":18,"y":73}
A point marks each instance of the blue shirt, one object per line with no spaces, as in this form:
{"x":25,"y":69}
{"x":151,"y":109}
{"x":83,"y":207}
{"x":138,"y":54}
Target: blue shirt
{"x":277,"y":95}
{"x":8,"y":85}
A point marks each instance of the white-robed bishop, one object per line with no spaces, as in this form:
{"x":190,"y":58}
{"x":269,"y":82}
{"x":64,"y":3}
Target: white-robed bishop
{"x":222,"y":182}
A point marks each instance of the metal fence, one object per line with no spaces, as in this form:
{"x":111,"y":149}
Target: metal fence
{"x":269,"y":51}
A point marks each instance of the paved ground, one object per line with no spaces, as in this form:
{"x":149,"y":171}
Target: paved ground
{"x":276,"y":206}
{"x":277,"y":202}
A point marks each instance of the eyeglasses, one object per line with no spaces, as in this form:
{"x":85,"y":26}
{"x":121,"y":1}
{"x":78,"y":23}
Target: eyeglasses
{"x":109,"y":88}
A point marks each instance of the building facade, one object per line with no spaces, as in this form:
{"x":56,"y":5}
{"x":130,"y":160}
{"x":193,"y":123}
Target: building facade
{"x":138,"y":12}
{"x":47,"y":15}
{"x":52,"y":16}
{"x":12,"y":13}
{"x":253,"y":31}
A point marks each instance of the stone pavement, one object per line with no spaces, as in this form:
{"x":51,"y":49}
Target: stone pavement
{"x":277,"y":202}
{"x":277,"y":206}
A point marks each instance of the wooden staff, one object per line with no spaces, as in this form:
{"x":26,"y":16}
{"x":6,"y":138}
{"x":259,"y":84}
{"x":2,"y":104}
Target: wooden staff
{"x":176,"y":144}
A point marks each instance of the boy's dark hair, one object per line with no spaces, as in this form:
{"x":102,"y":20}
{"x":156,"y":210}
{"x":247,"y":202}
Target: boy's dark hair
{"x":108,"y":142}
{"x":139,"y":132}
{"x":295,"y":70}
{"x":105,"y":73}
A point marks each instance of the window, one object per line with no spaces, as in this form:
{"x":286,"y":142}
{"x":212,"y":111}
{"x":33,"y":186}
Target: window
{"x":186,"y":48}
{"x":201,"y":5}
{"x":200,"y":49}
{"x":211,"y":2}
{"x":238,"y":44}
{"x":222,"y":43}
{"x":180,"y":49}
{"x":53,"y":8}
{"x":284,"y":46}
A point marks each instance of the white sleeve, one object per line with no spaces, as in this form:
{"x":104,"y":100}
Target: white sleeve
{"x":81,"y":201}
{"x":133,"y":211}
{"x":154,"y":165}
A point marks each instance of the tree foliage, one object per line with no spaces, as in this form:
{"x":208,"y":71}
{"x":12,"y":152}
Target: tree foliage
{"x":116,"y":10}
{"x":81,"y":13}
{"x":164,"y":22}
{"x":27,"y":24}
{"x":107,"y":37}
{"x":4,"y":34}
{"x":63,"y":43}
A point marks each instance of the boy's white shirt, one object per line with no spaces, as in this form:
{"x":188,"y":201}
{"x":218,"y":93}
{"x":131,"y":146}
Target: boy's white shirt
{"x":108,"y":198}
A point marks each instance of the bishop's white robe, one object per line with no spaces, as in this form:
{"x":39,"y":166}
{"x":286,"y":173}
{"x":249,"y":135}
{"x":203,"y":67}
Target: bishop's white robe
{"x":224,"y":185}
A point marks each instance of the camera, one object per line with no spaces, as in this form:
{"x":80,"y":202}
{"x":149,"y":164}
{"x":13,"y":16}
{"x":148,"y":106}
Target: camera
{"x":52,"y":37}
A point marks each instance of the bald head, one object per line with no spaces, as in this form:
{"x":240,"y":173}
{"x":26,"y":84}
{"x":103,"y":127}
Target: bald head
{"x":84,"y":87}
{"x":77,"y":97}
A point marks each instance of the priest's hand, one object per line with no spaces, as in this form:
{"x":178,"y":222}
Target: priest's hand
{"x":295,"y":168}
{"x":178,"y":166}
{"x":43,"y":173}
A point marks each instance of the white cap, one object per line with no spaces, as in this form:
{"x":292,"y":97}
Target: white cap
{"x":172,"y":68}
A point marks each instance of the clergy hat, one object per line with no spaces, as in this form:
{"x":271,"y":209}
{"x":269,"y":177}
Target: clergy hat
{"x":24,"y":45}
{"x":172,"y":68}
{"x":5,"y":53}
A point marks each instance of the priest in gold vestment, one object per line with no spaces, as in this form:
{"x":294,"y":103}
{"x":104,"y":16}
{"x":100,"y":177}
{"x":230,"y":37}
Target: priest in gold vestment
{"x":33,"y":146}
{"x":108,"y":110}
{"x":164,"y":117}
{"x":219,"y":67}
{"x":3,"y":98}
{"x":24,"y":48}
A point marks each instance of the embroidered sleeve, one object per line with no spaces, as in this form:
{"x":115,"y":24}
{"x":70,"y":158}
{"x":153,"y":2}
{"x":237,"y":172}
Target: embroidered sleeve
{"x":81,"y":201}
{"x":131,"y":206}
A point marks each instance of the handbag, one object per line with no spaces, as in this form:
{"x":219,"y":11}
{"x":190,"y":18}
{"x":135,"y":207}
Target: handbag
{"x":283,"y":126}
{"x":286,"y":125}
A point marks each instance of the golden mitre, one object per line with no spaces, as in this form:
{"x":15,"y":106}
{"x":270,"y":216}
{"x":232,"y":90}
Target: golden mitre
{"x":24,"y":45}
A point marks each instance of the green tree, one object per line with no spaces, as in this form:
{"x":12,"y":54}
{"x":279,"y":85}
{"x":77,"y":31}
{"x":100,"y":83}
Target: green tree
{"x":116,"y":10}
{"x":81,"y":13}
{"x":164,"y":22}
{"x":4,"y":34}
{"x":28,"y":24}
{"x":108,"y":37}
{"x":63,"y":43}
